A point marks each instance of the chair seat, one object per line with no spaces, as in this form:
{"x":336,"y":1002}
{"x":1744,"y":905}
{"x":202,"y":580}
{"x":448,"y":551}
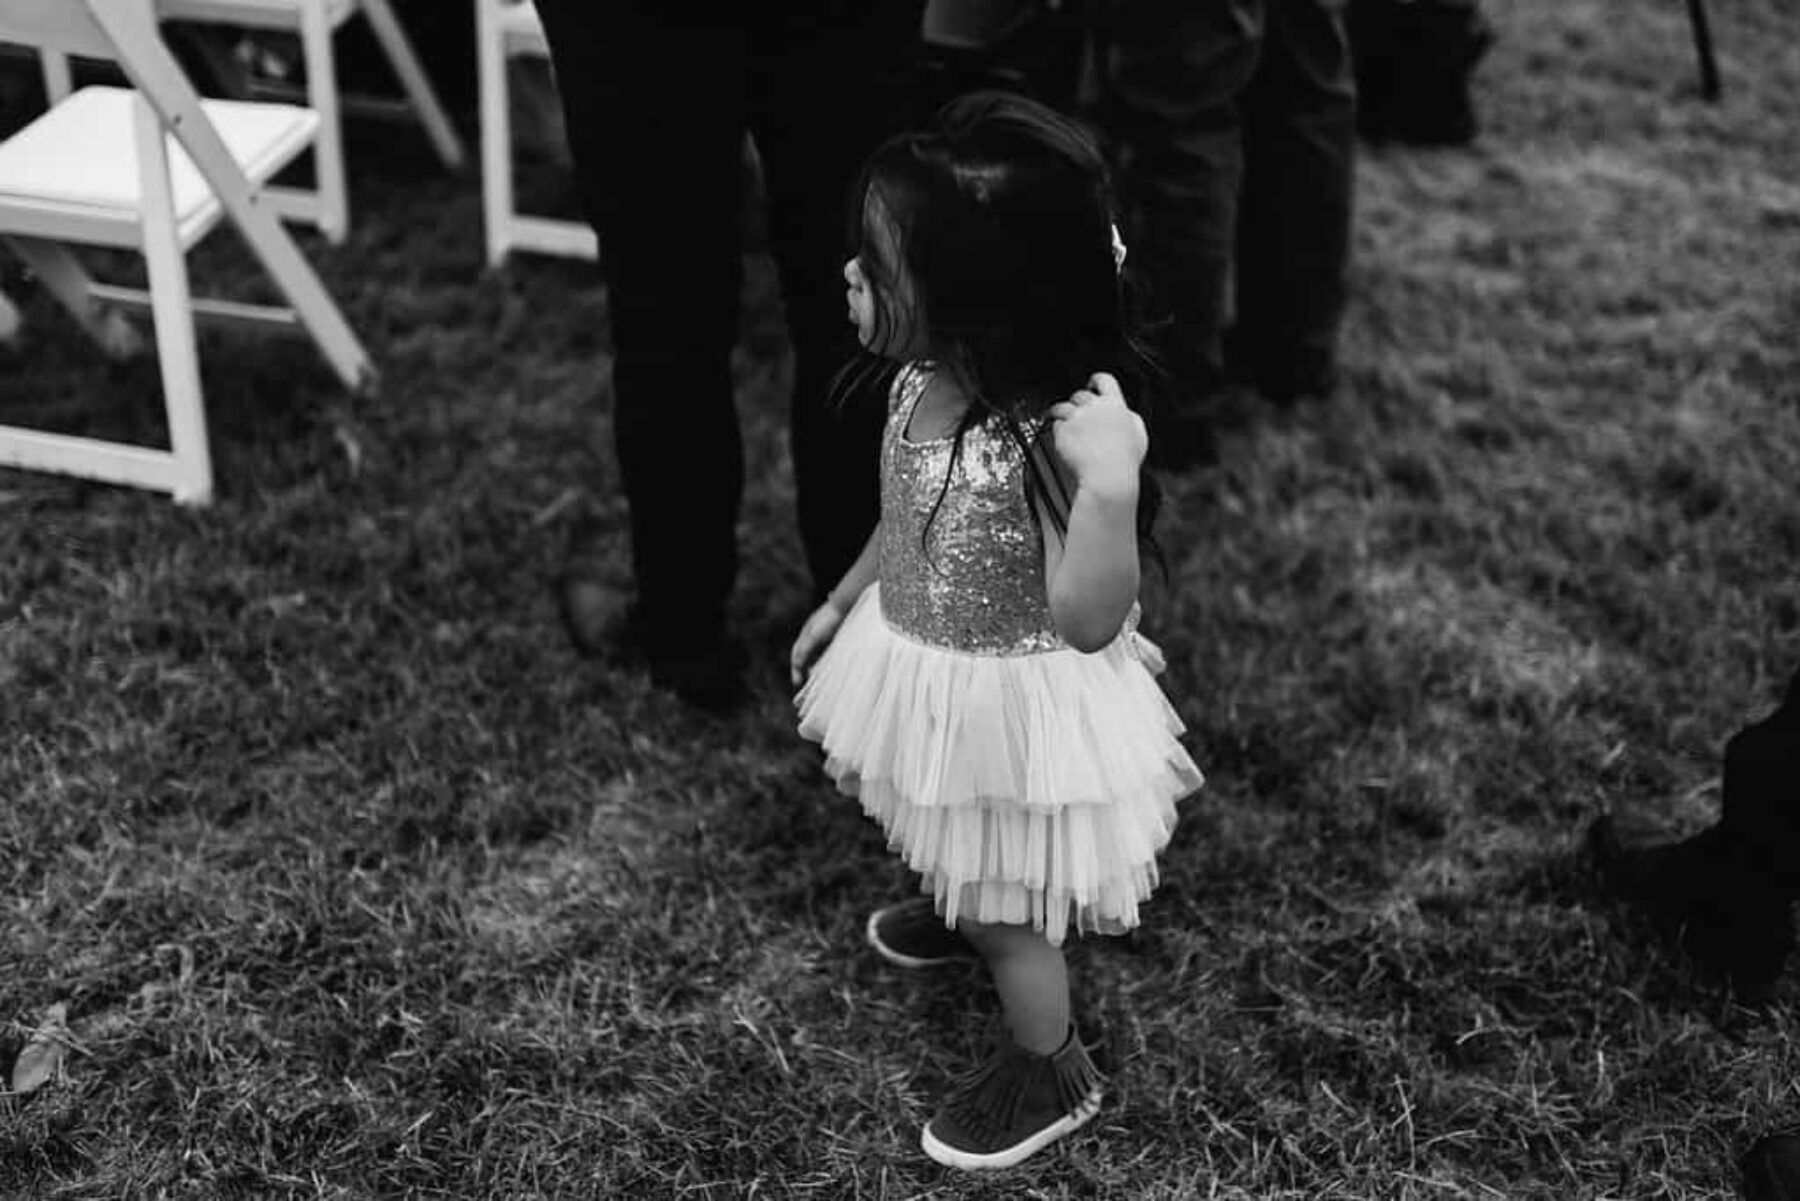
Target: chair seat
{"x":261,"y":14}
{"x":82,"y":155}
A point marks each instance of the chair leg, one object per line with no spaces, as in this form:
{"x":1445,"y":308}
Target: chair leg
{"x":305,"y":293}
{"x":414,"y":81}
{"x":62,"y":276}
{"x":166,"y":262}
{"x":496,"y":135}
{"x":1710,"y":87}
{"x":320,"y":54}
{"x":58,"y":79}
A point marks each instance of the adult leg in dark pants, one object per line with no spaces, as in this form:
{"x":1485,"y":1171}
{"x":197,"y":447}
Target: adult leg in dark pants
{"x":657,"y":108}
{"x":813,"y":128}
{"x":1233,"y":127}
{"x":1294,"y":210}
{"x":1176,"y":72}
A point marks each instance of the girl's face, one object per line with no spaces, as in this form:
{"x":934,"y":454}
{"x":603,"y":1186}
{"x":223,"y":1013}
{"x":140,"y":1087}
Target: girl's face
{"x":883,"y":320}
{"x":861,"y":298}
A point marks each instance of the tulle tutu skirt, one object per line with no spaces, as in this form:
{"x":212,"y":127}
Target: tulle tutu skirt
{"x":1032,"y":788}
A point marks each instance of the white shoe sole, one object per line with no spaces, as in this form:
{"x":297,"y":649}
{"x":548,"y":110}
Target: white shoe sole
{"x":970,"y":1161}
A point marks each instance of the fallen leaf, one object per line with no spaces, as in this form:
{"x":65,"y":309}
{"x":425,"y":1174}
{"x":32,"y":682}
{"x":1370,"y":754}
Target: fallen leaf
{"x":42,"y":1058}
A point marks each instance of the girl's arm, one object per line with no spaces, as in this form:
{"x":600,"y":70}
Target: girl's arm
{"x":862,"y":573}
{"x":1091,"y":572}
{"x":822,"y":626}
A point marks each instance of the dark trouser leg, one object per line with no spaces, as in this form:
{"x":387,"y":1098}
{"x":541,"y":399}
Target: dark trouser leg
{"x":825,"y":87}
{"x":1293,"y":233}
{"x":1175,"y":73}
{"x":656,"y":123}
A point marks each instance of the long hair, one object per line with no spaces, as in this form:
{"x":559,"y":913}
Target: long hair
{"x":987,"y":241}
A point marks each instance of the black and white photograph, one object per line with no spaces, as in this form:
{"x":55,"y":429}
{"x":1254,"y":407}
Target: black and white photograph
{"x":899,"y":599}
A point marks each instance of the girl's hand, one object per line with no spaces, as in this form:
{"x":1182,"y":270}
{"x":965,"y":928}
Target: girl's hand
{"x":1100,"y":439}
{"x":812,"y":640}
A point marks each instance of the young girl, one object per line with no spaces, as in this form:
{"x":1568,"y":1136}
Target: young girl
{"x":979,"y":680}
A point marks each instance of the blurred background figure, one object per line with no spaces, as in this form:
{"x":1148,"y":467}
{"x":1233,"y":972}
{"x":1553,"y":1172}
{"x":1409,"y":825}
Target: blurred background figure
{"x":1233,"y":124}
{"x":1039,"y":48}
{"x":657,"y":100}
{"x":1414,"y":60}
{"x":1726,"y":895}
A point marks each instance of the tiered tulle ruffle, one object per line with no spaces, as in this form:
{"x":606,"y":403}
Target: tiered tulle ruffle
{"x":1032,"y":788}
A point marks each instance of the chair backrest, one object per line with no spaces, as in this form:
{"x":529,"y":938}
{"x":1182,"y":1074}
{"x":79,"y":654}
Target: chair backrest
{"x":124,"y":31}
{"x":128,"y":33}
{"x":64,"y":26}
{"x":58,"y":29}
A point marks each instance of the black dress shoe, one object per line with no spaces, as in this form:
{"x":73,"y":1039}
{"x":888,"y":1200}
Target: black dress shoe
{"x":709,"y":677}
{"x":696,"y":660}
{"x":1288,"y":383}
{"x":1772,"y":1168}
{"x":1284,"y":376}
{"x":1727,"y":893}
{"x":1706,"y":895}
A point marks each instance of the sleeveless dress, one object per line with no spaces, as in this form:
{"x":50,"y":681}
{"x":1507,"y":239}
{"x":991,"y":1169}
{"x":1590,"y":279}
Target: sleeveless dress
{"x":1026,"y":781}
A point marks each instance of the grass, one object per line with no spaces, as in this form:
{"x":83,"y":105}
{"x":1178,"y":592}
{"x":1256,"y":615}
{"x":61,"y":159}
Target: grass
{"x":356,"y":881}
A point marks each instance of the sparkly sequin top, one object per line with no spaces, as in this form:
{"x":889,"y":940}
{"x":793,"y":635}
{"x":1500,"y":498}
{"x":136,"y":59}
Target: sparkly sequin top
{"x":974,"y":580}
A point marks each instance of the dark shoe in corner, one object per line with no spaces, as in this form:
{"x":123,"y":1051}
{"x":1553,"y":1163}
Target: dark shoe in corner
{"x":1702,"y":895}
{"x":1772,"y":1168}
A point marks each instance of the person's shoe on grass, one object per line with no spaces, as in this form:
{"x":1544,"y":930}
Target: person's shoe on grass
{"x":708,"y":676}
{"x":1725,"y":896}
{"x":1014,"y":1105}
{"x":698,"y":661}
{"x":1705,"y":896}
{"x":1287,"y":375}
{"x":910,"y":934}
{"x":1772,"y":1167}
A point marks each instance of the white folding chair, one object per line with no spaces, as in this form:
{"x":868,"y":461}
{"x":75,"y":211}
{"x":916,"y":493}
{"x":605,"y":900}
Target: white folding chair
{"x":317,"y":23}
{"x":505,"y":30}
{"x":150,"y":168}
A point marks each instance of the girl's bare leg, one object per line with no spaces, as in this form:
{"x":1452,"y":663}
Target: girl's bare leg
{"x":1032,"y":979}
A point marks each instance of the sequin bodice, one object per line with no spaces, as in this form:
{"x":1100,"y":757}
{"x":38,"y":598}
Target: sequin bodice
{"x":965,"y":573}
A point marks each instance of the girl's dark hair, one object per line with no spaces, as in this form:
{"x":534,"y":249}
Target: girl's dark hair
{"x":999,"y":218}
